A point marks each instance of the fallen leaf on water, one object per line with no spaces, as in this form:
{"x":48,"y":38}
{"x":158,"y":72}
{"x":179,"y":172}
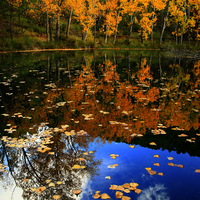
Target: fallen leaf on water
{"x":179,"y":165}
{"x":138,"y":191}
{"x":48,"y":181}
{"x":134,"y":184}
{"x":76,"y":167}
{"x":151,"y":172}
{"x":105,"y":196}
{"x":76,"y":191}
{"x":113,"y":187}
{"x":25,"y":179}
{"x":152,"y":143}
{"x":120,"y":188}
{"x":96,"y":196}
{"x":40,"y":189}
{"x":107,"y":177}
{"x":148,"y":168}
{"x":126,"y":185}
{"x":197,"y":170}
{"x":170,"y":158}
{"x":125,"y":198}
{"x":118,"y":195}
{"x":80,"y":159}
{"x":91,"y":152}
{"x":85,"y":153}
{"x":157,"y":164}
{"x":156,"y":156}
{"x":127,"y":190}
{"x":160,"y":174}
{"x":51,"y":184}
{"x":56,"y":197}
{"x":171,"y":164}
{"x":51,"y":153}
{"x":59,"y":182}
{"x":182,"y":135}
{"x":131,"y":146}
{"x":33,"y":189}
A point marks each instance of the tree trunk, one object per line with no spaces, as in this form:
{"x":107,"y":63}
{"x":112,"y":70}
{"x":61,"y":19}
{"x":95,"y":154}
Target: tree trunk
{"x":106,"y":36}
{"x":189,"y":7}
{"x":164,"y":25}
{"x":58,"y":28}
{"x":50,"y":28}
{"x":11,"y":16}
{"x":22,"y":28}
{"x":131,"y":28}
{"x":47,"y":26}
{"x":95,"y":31}
{"x":141,"y":35}
{"x":69,"y":21}
{"x":41,"y":27}
{"x":115,"y":36}
{"x":152,"y":27}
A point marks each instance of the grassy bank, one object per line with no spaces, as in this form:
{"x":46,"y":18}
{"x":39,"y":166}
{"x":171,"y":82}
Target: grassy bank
{"x":32,"y":37}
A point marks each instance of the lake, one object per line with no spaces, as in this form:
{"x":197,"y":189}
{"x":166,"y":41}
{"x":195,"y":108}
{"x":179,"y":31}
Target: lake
{"x":99,"y":125}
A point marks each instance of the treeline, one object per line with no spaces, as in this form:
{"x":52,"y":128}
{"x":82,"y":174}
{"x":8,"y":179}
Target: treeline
{"x":180,"y":18}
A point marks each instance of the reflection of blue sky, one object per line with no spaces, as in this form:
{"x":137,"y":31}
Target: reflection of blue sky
{"x":158,"y":192}
{"x":177,"y":183}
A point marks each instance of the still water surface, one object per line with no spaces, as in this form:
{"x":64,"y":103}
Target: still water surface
{"x":100,"y":123}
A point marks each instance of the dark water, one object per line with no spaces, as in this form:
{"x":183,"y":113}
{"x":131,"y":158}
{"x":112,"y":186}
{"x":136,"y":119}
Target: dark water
{"x":64,"y":114}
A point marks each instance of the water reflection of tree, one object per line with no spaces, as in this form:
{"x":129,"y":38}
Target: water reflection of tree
{"x":136,"y":102}
{"x":38,"y":167}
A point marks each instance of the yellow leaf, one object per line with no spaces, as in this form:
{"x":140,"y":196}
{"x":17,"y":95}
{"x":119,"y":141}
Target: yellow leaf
{"x":160,"y":173}
{"x":59,"y":182}
{"x":40,"y":189}
{"x":152,"y":143}
{"x":56,"y":197}
{"x":96,"y":196}
{"x":118,"y":195}
{"x":105,"y":196}
{"x":138,"y":191}
{"x":48,"y":181}
{"x":125,"y":198}
{"x":156,"y":156}
{"x":25,"y":179}
{"x":76,"y":191}
{"x":197,"y":170}
{"x":170,"y":158}
{"x":51,"y":184}
{"x":171,"y":164}
{"x":131,"y":146}
{"x":107,"y":177}
{"x":157,"y":164}
{"x":76,"y":167}
{"x":33,"y":189}
{"x":113,"y":187}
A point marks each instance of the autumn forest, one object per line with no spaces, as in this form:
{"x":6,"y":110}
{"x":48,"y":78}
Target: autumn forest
{"x":97,"y":21}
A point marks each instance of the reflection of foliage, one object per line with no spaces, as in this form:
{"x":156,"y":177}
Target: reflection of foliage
{"x":37,"y":168}
{"x":107,"y":106}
